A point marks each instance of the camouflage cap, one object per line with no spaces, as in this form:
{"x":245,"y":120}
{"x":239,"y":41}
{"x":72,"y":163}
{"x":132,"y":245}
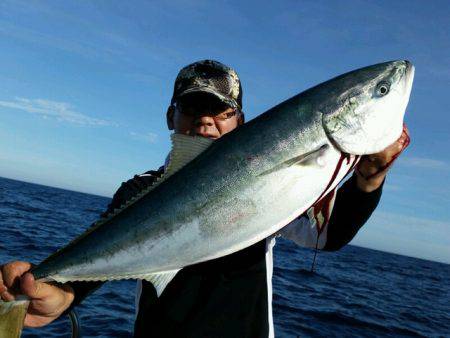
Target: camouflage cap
{"x":209,"y":76}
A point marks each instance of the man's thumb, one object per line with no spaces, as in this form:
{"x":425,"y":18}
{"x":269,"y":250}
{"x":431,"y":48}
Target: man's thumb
{"x":33,"y":289}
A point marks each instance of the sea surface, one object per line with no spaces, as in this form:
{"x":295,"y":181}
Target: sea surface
{"x":355,"y":292}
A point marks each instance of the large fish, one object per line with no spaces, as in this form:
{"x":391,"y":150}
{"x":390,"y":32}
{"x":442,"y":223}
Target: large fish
{"x":219,"y":197}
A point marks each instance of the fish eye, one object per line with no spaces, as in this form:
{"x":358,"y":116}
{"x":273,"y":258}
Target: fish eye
{"x":382,"y":88}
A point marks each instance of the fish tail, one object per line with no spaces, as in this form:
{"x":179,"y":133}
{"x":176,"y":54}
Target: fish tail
{"x":12,"y":315}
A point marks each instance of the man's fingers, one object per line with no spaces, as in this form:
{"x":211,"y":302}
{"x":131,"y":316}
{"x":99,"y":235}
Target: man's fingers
{"x":404,"y":139}
{"x":377,"y":164}
{"x":386,"y":155}
{"x":2,"y":283}
{"x":29,"y":286}
{"x":6,"y":296}
{"x":11,"y":272}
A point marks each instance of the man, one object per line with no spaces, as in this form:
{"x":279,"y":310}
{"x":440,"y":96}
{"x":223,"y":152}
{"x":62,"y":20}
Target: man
{"x":229,"y":296}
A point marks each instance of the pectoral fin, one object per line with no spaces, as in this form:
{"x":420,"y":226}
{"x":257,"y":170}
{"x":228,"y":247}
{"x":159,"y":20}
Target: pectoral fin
{"x":312,"y":158}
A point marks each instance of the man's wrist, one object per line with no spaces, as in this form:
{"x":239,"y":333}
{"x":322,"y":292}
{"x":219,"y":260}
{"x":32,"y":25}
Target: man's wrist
{"x":69,"y":298}
{"x":371,"y":184}
{"x":69,"y":293}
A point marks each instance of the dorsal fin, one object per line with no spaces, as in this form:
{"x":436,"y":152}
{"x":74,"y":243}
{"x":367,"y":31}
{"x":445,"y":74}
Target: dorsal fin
{"x":184,"y":149}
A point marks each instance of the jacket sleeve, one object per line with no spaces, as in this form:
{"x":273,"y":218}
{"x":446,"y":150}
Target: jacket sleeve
{"x":352,"y":208}
{"x":125,"y":192}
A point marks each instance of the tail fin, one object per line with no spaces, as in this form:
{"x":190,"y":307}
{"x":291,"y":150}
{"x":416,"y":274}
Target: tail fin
{"x":12,"y":315}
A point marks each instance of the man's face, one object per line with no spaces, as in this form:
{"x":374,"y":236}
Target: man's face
{"x":204,"y":115}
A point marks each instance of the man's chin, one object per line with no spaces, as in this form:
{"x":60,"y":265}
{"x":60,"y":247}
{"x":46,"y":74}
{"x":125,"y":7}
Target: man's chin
{"x":208,"y":136}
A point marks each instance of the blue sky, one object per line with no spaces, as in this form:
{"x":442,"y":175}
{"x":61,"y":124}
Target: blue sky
{"x":85,"y":86}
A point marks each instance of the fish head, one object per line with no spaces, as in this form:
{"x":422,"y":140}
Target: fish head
{"x":366,"y":114}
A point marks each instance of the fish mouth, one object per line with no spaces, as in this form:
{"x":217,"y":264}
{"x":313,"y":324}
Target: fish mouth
{"x":409,"y":76}
{"x":409,"y":67}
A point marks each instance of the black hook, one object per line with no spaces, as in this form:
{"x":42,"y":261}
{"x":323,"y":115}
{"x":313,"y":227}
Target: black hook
{"x":75,"y":323}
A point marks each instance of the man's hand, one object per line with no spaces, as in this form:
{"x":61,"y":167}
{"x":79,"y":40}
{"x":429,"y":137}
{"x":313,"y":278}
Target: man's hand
{"x":372,"y":169}
{"x":47,"y":301}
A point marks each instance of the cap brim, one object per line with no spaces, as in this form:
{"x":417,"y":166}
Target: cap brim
{"x":207,"y":90}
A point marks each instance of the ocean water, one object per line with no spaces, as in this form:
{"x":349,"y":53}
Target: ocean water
{"x":355,"y":292}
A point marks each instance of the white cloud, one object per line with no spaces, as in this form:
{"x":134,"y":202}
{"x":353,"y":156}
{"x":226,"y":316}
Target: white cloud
{"x":411,"y":235}
{"x":422,"y":162}
{"x":413,"y":222}
{"x":147,"y":137}
{"x":391,"y":187}
{"x":60,"y":111}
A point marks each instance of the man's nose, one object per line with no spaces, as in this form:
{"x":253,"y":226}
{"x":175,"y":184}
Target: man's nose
{"x":205,"y":126}
{"x":204,"y":121}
